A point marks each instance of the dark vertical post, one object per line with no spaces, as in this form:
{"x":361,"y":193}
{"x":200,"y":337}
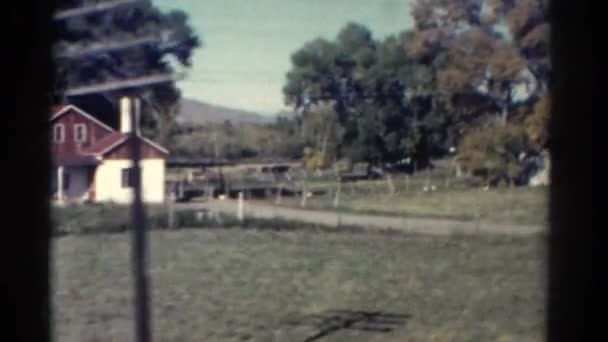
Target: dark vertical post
{"x":139,"y":250}
{"x":26,"y":249}
{"x":577,"y":240}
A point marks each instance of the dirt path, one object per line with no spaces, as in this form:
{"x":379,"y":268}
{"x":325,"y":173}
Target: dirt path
{"x":335,"y":219}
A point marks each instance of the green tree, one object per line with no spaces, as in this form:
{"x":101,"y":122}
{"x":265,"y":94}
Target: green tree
{"x":135,"y":41}
{"x":480,"y":51}
{"x":493,"y":153}
{"x":322,"y":132}
{"x":364,"y":80}
{"x":469,"y":53}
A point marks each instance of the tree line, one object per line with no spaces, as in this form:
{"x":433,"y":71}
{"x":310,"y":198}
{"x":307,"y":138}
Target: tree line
{"x":472,"y":76}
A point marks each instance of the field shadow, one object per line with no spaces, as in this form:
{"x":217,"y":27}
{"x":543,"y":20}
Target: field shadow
{"x":333,"y":321}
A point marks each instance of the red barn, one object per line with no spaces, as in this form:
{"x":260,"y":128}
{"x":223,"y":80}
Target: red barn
{"x":91,"y":160}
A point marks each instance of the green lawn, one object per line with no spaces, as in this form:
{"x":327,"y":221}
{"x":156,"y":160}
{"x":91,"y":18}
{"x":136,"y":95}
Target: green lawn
{"x":247,"y":285}
{"x":451,"y":199}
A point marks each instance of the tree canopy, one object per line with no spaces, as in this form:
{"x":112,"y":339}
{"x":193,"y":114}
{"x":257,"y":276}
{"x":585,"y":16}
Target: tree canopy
{"x":137,"y":40}
{"x":468,"y":66}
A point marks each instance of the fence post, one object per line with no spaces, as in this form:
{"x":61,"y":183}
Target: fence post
{"x":279,"y":194}
{"x":448,"y":193}
{"x":171,"y":211}
{"x":337,"y":196}
{"x":304,"y":195}
{"x":391,"y":186}
{"x":240,"y":207}
{"x":60,"y":185}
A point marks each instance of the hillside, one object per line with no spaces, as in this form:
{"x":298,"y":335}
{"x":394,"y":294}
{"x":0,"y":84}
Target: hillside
{"x":198,"y":112}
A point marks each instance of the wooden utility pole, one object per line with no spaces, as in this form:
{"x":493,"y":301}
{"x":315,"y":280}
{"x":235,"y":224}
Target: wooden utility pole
{"x":132,"y":108}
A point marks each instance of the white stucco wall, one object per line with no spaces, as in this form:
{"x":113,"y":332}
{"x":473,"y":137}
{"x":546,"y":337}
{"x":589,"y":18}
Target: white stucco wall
{"x":108,"y":181}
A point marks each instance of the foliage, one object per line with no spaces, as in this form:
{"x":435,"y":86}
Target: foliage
{"x":238,"y":140}
{"x":416,"y":94}
{"x":494,"y":152}
{"x":322,"y":133}
{"x":172,"y":48}
{"x":536,"y":123}
{"x":477,"y":47}
{"x":362,"y":79}
{"x":313,"y":159}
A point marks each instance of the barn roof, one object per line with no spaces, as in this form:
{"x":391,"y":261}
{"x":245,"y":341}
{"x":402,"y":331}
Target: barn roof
{"x":93,"y":154}
{"x":115,"y":140}
{"x":59,"y":110}
{"x":74,"y":159}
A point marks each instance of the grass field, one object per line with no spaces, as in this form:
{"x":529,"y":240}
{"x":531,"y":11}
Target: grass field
{"x":247,"y":285}
{"x":452,"y":199}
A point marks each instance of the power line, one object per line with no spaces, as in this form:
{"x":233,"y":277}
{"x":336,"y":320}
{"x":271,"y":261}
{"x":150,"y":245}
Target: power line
{"x":100,"y":7}
{"x":122,"y":84}
{"x":74,"y":51}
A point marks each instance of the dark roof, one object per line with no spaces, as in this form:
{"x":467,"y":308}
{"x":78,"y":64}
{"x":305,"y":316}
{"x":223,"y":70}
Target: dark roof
{"x":197,"y":162}
{"x":112,"y":139}
{"x":116,"y":139}
{"x":90,"y":155}
{"x":58,"y":111}
{"x":75,"y":160}
{"x":57,"y":108}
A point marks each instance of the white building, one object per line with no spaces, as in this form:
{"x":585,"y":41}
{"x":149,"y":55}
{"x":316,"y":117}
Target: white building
{"x":92,"y":161}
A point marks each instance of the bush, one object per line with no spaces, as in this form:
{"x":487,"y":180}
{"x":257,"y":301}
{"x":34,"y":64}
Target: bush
{"x":493,"y":153}
{"x":108,"y":218}
{"x":94,"y":218}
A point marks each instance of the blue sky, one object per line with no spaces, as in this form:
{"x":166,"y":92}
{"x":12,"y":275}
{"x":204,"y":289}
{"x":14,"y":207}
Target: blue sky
{"x":247,"y":44}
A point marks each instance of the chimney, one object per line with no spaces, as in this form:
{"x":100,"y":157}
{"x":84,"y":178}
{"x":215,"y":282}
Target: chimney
{"x":129,"y":115}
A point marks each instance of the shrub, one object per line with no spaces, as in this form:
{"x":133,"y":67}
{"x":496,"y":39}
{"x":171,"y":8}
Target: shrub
{"x":108,"y":218}
{"x":536,"y":122}
{"x":94,"y":218}
{"x":493,"y":153}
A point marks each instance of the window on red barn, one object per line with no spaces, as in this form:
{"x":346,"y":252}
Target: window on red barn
{"x":58,"y":133}
{"x":80,"y":133}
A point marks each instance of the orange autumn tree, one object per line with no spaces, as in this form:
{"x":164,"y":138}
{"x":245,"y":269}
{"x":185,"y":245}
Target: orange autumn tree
{"x":486,"y":50}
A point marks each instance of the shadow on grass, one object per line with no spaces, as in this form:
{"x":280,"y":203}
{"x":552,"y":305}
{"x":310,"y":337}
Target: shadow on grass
{"x":333,"y":321}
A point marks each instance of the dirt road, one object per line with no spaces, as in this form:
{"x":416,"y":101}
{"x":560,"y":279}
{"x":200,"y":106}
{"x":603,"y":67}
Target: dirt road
{"x":336,"y":219}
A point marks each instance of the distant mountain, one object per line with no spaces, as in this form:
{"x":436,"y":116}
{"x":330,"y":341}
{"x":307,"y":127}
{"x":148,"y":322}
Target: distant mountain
{"x":286,"y":114}
{"x":198,"y":112}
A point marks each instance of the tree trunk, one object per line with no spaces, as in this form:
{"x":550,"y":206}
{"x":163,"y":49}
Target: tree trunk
{"x":163,"y":130}
{"x":504,"y":114}
{"x":325,"y":142}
